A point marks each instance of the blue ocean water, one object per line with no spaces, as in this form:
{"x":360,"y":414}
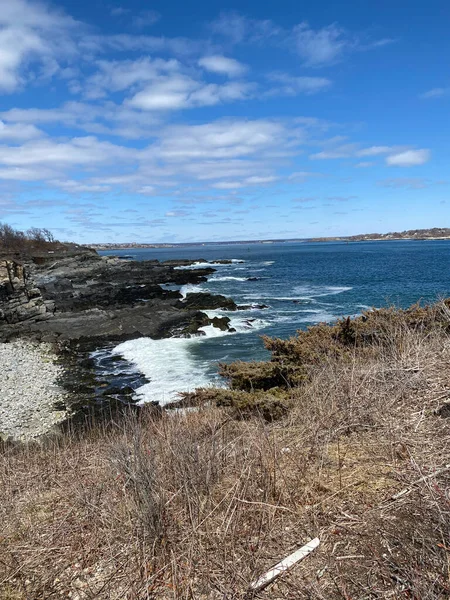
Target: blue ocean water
{"x":302,"y":283}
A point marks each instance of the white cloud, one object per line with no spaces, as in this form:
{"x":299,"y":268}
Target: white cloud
{"x":106,"y":119}
{"x":409,"y":158}
{"x":53,"y":154}
{"x":291,"y":86}
{"x":375,"y":151}
{"x":124,"y":42}
{"x":177,"y":213}
{"x":19,"y":132}
{"x":79,"y":187}
{"x":436,"y":93}
{"x":119,"y":11}
{"x":334,"y":152}
{"x":397,"y":155}
{"x":316,"y":47}
{"x":115,"y":76}
{"x":223,"y":65}
{"x":258,"y":180}
{"x":13,"y":173}
{"x":364,"y":165}
{"x":223,"y":139}
{"x":237,"y":28}
{"x":31,"y":33}
{"x":146,"y":18}
{"x":321,"y":47}
{"x":227,"y":185}
{"x":179,"y":92}
{"x":412,"y":183}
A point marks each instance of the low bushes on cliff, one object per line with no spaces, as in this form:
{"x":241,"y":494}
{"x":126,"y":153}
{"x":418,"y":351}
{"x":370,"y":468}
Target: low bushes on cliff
{"x":294,"y":359}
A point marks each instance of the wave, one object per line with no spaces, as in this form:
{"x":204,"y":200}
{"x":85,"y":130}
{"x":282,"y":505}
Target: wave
{"x":204,"y":265}
{"x":191,"y":288}
{"x":230,"y":278}
{"x":318,"y":291}
{"x":305,"y":293}
{"x":316,"y":317}
{"x":170,"y":364}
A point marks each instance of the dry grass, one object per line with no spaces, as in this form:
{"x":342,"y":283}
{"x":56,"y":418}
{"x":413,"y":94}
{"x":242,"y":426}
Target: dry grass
{"x":195,"y":505}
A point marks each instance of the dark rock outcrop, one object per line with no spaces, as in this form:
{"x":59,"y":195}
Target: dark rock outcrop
{"x":201,"y":301}
{"x":78,"y":295}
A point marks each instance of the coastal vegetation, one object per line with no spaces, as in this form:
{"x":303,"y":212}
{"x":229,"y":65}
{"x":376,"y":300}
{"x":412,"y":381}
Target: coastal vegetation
{"x":343,"y":435}
{"x":14,"y":241}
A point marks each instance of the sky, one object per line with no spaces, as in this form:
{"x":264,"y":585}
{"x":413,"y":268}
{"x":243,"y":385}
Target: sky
{"x":183,"y":121}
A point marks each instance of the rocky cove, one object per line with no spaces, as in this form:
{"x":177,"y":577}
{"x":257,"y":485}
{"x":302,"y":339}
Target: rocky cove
{"x":58,"y":308}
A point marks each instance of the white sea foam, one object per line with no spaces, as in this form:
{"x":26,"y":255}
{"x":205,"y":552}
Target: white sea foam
{"x":307,"y":293}
{"x":171,"y":365}
{"x":317,"y":291}
{"x":191,"y":288}
{"x":196,"y":265}
{"x":204,"y":265}
{"x":228,"y":278}
{"x":168,"y":364}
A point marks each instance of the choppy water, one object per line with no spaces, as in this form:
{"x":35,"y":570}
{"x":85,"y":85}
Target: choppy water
{"x":302,"y":284}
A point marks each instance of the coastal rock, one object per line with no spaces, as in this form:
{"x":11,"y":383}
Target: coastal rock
{"x":203,"y":301}
{"x":78,"y":295}
{"x":252,"y":306}
{"x":182,"y":262}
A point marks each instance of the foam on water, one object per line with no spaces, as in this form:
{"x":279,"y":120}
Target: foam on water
{"x":229,"y":278}
{"x":191,"y":288}
{"x":307,"y":293}
{"x":171,"y":365}
{"x":317,"y":291}
{"x":204,"y":265}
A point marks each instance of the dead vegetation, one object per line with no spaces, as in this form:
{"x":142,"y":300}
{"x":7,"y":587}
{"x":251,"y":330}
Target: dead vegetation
{"x":198,"y":504}
{"x":14,"y":241}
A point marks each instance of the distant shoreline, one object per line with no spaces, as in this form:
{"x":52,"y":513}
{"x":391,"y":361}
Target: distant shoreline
{"x":434,"y":234}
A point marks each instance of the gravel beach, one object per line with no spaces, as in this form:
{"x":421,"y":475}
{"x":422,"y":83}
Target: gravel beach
{"x":28,"y":390}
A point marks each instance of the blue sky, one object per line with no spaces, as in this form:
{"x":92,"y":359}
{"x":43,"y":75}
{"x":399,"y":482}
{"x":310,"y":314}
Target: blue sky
{"x":203,"y":121}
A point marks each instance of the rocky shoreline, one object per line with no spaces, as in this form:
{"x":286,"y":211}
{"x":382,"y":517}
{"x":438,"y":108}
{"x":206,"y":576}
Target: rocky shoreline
{"x":63,"y":306}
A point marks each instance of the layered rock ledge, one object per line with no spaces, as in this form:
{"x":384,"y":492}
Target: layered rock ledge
{"x":78,"y":296}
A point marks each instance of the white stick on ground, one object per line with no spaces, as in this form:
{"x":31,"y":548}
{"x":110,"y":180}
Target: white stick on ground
{"x":284,"y":565}
{"x":408,"y":489}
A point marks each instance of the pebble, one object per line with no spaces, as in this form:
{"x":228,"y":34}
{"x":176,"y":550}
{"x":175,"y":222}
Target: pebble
{"x":29,"y":390}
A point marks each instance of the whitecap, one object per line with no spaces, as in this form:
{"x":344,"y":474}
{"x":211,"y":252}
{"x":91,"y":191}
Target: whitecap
{"x":170,"y":364}
{"x":191,"y":288}
{"x":230,"y":278}
{"x":317,"y":291}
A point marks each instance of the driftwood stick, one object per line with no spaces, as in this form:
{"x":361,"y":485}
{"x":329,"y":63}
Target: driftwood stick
{"x":424,"y":478}
{"x":284,"y":565}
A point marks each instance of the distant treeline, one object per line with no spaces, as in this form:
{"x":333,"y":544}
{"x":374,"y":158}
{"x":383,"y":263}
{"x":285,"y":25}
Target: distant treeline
{"x":14,"y":240}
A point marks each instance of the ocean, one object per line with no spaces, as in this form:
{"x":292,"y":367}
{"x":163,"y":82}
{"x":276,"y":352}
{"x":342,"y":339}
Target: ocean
{"x":302,"y":283}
